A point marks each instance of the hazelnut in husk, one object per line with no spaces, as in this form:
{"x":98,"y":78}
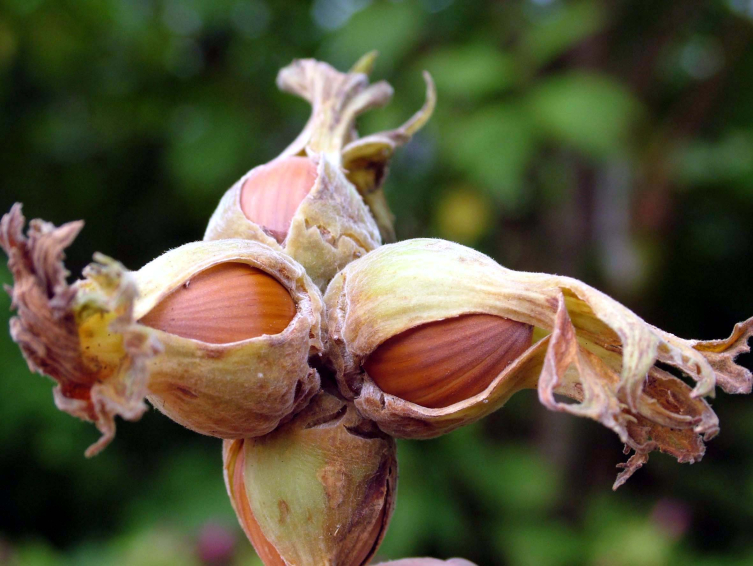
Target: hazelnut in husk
{"x":321,"y":200}
{"x":318,"y":490}
{"x":427,"y":335}
{"x":217,"y":335}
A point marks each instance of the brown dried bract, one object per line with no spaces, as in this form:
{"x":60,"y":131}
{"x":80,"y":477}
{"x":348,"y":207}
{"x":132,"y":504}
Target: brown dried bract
{"x":47,"y":325}
{"x":668,"y":418}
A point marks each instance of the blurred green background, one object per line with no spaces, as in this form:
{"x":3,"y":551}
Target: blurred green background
{"x":608,"y":140}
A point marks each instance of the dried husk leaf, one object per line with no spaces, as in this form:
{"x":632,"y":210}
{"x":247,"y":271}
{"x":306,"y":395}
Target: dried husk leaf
{"x":593,"y":349}
{"x":337,"y":99}
{"x":367,"y":161}
{"x":87,"y":337}
{"x":54,"y":318}
{"x":319,"y":490}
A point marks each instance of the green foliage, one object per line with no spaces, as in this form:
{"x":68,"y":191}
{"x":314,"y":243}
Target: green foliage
{"x":727,"y":161}
{"x":562,"y":28}
{"x":472,"y":71}
{"x":588,"y":112}
{"x":492,"y":147}
{"x":392,"y":28}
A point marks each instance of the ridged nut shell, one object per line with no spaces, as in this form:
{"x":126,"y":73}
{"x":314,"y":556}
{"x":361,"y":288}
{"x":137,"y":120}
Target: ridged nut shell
{"x":318,"y":490}
{"x":229,"y":302}
{"x":272,"y":193}
{"x":330,"y":227}
{"x":441,"y":363}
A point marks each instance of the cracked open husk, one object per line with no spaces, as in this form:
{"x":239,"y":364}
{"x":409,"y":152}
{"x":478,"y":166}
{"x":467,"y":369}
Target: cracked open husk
{"x":588,"y":347}
{"x":344,"y":215}
{"x":318,"y":490}
{"x":87,"y":336}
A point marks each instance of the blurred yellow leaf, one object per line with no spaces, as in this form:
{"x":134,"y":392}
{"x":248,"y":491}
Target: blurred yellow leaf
{"x":464,"y":215}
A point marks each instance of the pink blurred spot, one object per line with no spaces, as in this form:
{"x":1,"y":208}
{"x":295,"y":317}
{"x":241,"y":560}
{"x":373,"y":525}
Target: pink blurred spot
{"x":672,"y":517}
{"x":427,"y":562}
{"x":6,"y":551}
{"x":215,"y":545}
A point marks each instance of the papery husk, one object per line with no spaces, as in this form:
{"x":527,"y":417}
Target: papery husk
{"x":318,"y":491}
{"x":592,"y":349}
{"x":86,"y":336}
{"x":345,"y":215}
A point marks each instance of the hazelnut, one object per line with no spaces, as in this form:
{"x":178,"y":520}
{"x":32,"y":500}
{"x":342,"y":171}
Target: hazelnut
{"x":321,"y":200}
{"x":217,"y":335}
{"x":229,"y":302}
{"x":318,"y":490}
{"x":426,"y":336}
{"x":272,"y":193}
{"x":443,"y":362}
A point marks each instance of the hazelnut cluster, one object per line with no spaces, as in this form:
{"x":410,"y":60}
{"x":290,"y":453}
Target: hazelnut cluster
{"x":305,"y":344}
